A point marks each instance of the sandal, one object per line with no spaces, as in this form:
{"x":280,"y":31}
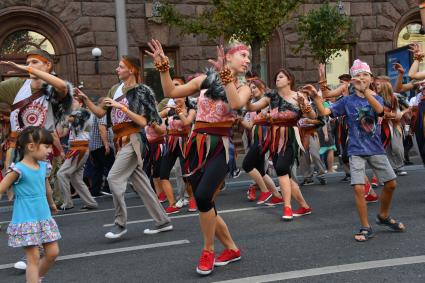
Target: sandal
{"x":365,"y":232}
{"x":391,"y":223}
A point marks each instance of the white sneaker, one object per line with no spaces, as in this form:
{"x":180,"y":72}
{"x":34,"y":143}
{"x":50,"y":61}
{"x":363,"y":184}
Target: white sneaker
{"x":163,"y":228}
{"x":401,"y":173}
{"x":116,"y":232}
{"x":182,"y":202}
{"x":21,"y":265}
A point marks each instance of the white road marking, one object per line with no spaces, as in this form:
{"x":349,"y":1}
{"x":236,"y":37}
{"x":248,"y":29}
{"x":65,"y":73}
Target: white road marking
{"x":193,"y":215}
{"x":112,"y":251}
{"x":84,"y":212}
{"x":329,"y":270}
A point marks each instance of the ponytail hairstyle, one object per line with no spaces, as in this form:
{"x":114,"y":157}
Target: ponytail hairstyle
{"x":31,"y":134}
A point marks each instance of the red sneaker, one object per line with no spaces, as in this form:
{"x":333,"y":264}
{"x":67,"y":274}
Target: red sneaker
{"x":252,"y":192}
{"x":228,"y":256}
{"x":366,"y":189}
{"x":206,"y":263}
{"x":275,"y":201}
{"x":264,"y":197}
{"x":287,"y":213}
{"x":192,"y":205}
{"x":162,"y":197}
{"x":372,"y":198}
{"x":172,"y":209}
{"x":302,"y":211}
{"x":374,"y":182}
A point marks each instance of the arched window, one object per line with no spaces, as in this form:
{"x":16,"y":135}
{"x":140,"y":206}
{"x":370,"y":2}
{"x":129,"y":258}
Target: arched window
{"x":411,"y":34}
{"x":19,"y":42}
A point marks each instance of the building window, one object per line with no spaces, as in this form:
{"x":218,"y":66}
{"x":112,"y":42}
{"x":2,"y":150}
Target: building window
{"x":20,"y":42}
{"x":151,"y":75}
{"x":410,"y":34}
{"x":15,"y":47}
{"x":336,"y":67}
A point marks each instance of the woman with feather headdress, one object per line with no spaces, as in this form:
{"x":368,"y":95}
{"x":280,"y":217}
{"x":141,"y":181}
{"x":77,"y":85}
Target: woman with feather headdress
{"x":208,"y":150}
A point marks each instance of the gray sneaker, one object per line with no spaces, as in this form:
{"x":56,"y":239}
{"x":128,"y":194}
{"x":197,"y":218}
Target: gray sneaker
{"x":116,"y":232}
{"x":163,"y":228}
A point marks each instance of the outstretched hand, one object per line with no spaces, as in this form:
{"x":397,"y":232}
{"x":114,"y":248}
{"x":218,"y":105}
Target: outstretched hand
{"x":399,"y":68}
{"x":157,"y":53}
{"x":221,"y":59}
{"x":80,"y":95}
{"x":14,"y":65}
{"x":310,"y":90}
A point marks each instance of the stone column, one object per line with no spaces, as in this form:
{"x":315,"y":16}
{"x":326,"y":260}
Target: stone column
{"x":121,"y":21}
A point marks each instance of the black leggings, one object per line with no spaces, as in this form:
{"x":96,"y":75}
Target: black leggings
{"x":254,"y":159}
{"x":283,"y":162}
{"x":206,"y":181}
{"x":168,"y":161}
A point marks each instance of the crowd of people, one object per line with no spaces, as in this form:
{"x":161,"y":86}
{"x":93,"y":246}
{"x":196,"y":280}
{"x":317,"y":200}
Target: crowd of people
{"x":58,"y":144}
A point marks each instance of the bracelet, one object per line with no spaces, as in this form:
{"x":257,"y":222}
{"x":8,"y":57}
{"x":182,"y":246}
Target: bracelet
{"x":306,"y":109}
{"x":163,"y":66}
{"x":124,"y":109}
{"x":29,"y":70}
{"x":226,"y":76}
{"x":418,"y":57}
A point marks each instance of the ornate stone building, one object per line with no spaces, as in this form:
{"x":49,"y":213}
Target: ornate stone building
{"x":72,"y":28}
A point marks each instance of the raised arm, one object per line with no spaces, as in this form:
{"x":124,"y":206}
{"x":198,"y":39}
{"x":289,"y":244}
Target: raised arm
{"x":59,"y":84}
{"x":399,"y":86}
{"x":312,"y":92}
{"x":418,"y":56}
{"x":99,"y":111}
{"x":162,"y":64}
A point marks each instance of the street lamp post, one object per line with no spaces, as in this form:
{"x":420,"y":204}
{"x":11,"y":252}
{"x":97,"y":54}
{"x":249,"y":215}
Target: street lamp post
{"x":341,"y":8}
{"x":96,"y":52}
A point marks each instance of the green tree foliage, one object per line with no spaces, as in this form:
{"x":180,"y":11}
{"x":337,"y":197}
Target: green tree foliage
{"x":326,"y":32}
{"x":249,"y":21}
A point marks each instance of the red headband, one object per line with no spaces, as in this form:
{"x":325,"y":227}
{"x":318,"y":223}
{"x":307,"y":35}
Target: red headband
{"x":237,"y":48}
{"x":38,"y":57}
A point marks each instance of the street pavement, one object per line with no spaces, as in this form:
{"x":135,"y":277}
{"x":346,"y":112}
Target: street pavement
{"x":315,"y":248}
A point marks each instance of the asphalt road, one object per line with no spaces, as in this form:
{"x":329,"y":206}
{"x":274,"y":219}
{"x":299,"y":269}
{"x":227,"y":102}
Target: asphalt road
{"x":314,"y":248}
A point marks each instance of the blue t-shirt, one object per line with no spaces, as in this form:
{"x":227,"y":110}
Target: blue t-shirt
{"x":30,"y":193}
{"x":364,"y":131}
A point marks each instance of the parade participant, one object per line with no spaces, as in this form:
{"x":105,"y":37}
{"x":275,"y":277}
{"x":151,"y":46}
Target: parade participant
{"x":155,"y":134}
{"x":179,"y":121}
{"x":311,"y":155}
{"x":254,"y":161}
{"x":287,"y":108}
{"x":208,"y":148}
{"x":72,"y":170}
{"x":391,"y":131}
{"x":101,"y":152}
{"x":340,"y":122}
{"x":362,"y":109}
{"x":130,"y":106}
{"x":418,"y":103}
{"x":42,"y":100}
{"x":32,"y":224}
